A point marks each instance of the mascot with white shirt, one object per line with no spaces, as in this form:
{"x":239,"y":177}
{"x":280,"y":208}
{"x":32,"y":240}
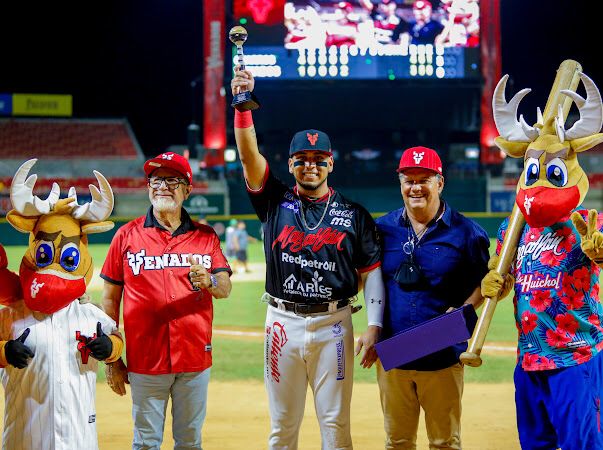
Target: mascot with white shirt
{"x":50,"y":342}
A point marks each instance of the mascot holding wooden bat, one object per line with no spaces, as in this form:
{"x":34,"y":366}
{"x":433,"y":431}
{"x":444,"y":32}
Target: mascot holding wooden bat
{"x":555,"y":271}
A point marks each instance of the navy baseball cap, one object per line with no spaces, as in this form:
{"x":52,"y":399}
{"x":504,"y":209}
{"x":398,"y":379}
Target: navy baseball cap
{"x":307,"y":140}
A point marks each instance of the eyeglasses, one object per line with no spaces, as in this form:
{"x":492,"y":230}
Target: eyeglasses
{"x":171,"y":183}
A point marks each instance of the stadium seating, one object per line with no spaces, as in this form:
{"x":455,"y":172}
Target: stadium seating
{"x":66,"y":139}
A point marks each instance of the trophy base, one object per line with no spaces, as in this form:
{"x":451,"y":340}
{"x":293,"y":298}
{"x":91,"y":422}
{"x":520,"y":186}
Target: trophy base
{"x":245,"y":101}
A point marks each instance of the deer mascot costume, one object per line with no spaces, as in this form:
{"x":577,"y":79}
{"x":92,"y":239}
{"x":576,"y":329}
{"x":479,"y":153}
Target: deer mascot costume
{"x":49,"y":341}
{"x":555,"y":274}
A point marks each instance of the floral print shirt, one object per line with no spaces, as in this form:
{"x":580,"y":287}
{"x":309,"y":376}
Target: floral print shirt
{"x":557,"y":309}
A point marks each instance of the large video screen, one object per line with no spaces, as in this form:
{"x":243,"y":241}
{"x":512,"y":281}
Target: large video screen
{"x":360,"y":39}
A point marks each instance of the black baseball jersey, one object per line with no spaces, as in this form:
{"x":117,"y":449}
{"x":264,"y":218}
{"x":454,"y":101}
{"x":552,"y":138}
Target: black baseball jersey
{"x":309,"y":260}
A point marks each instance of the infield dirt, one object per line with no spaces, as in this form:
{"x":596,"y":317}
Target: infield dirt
{"x":237,"y":418}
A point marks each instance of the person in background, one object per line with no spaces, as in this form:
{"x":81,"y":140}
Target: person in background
{"x":241,"y":242}
{"x":230,"y":250}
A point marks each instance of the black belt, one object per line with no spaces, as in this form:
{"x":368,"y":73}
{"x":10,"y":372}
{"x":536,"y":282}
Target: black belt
{"x":304,"y":309}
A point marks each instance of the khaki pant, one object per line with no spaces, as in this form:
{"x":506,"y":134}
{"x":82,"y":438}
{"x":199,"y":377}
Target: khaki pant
{"x":438,"y":392}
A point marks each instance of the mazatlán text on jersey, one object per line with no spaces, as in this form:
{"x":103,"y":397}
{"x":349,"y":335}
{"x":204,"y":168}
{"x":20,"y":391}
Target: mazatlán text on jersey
{"x":312,"y":263}
{"x":548,"y":241}
{"x":529,"y":282}
{"x":296,"y":240}
{"x":139,"y":260}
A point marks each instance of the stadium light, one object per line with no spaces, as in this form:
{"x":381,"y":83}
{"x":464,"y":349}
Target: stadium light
{"x":230,"y":155}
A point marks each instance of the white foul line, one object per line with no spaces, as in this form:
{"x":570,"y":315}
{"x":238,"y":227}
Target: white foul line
{"x":496,"y":348}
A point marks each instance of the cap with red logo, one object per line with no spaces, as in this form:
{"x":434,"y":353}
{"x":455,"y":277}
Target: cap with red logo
{"x":307,"y":140}
{"x":421,"y":4}
{"x":170,"y":160}
{"x":421,"y":157}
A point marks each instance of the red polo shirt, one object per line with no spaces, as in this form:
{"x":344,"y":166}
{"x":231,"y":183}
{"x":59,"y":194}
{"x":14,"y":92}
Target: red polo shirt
{"x":168,"y":325}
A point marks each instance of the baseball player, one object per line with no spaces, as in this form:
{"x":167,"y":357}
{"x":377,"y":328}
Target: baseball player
{"x":167,"y":268}
{"x":49,"y":342}
{"x":319,"y":249}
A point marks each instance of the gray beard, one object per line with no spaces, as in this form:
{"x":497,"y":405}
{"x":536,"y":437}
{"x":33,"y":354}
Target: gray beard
{"x":165,"y":205}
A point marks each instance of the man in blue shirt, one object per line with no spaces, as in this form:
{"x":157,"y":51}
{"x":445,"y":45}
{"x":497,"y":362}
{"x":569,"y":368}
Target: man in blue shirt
{"x":433,"y":261}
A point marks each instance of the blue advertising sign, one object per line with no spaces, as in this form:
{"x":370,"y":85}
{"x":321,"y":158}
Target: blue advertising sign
{"x":502,"y":201}
{"x":6,"y":104}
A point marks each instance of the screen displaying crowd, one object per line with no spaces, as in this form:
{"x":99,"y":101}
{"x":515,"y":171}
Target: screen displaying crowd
{"x":366,"y":23}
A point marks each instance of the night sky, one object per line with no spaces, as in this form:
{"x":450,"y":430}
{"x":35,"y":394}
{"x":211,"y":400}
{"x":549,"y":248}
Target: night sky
{"x":136,"y":59}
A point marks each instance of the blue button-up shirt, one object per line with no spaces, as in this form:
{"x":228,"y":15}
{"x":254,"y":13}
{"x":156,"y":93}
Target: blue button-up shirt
{"x":453,"y":258}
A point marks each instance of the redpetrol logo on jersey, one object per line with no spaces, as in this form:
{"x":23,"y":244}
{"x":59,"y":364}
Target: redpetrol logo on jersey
{"x":141,"y":260}
{"x":296,"y":240}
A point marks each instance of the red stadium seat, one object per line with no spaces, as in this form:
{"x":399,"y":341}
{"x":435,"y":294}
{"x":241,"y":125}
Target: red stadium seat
{"x":67,"y":139}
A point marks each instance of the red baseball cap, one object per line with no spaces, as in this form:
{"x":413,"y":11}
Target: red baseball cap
{"x":421,"y":4}
{"x":422,"y":157}
{"x":170,"y":160}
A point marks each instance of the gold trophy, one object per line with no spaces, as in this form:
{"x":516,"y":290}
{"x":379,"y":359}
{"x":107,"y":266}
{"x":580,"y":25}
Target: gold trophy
{"x":243,"y":100}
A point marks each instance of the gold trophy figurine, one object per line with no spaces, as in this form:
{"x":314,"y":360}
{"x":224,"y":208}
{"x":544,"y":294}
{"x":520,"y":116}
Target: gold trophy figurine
{"x":244,"y":100}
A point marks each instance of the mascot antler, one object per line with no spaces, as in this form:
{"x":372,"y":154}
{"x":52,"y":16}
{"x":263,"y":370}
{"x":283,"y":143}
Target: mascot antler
{"x":102,"y":201}
{"x":21,"y":193}
{"x":505,"y":115}
{"x":591,"y":110}
{"x":27,"y":204}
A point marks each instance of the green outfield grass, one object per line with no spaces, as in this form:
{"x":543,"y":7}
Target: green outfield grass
{"x":241,"y":357}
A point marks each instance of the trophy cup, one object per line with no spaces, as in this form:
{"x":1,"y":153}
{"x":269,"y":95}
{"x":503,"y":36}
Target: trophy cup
{"x":243,"y":100}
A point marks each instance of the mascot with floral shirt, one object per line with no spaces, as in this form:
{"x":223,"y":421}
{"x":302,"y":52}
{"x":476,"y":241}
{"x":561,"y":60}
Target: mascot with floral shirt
{"x":50,"y":342}
{"x":555,"y":273}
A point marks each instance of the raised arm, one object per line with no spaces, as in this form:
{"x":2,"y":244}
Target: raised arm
{"x":254,"y":164}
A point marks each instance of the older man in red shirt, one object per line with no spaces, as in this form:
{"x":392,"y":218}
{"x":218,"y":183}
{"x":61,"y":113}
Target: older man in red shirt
{"x":167,"y":268}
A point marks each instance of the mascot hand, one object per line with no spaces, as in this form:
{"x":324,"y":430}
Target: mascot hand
{"x":85,"y":298}
{"x":17,"y":353}
{"x":117,"y":376}
{"x":591,"y":237}
{"x":101,"y":346}
{"x":493,"y":285}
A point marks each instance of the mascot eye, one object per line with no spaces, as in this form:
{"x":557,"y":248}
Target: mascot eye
{"x":532,"y":171}
{"x":556,"y":172}
{"x":44,"y":253}
{"x":70,"y":257}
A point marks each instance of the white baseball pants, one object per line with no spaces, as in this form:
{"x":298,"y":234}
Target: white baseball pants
{"x":315,"y":350}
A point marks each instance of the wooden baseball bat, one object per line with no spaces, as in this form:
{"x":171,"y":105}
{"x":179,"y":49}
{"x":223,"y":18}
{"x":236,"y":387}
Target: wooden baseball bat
{"x":567,"y":78}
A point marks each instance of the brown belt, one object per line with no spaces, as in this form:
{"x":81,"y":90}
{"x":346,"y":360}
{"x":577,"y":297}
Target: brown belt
{"x":304,"y":309}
